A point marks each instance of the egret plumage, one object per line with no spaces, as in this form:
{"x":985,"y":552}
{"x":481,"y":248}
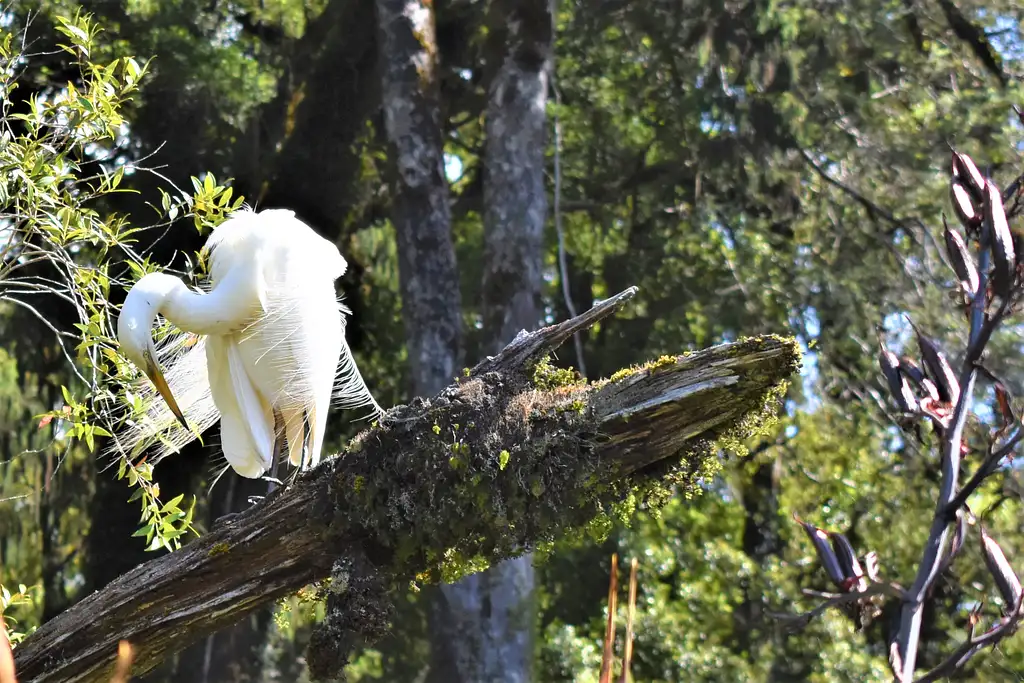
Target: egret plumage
{"x":263,"y":349}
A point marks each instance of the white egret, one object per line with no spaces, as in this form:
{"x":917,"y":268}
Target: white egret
{"x":266,"y":348}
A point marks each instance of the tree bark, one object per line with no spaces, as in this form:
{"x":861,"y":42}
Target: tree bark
{"x":428,"y":277}
{"x":482,"y":627}
{"x":500,"y":461}
{"x":515,"y":203}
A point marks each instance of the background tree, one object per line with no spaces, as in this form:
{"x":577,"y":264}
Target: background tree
{"x":483,"y":625}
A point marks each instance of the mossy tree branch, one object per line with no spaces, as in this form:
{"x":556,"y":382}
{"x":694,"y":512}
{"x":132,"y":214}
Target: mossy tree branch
{"x":511,"y":455}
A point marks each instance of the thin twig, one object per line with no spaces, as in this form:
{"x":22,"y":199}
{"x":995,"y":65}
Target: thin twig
{"x":871,"y":206}
{"x":798,"y":621}
{"x":972,"y":646}
{"x":56,"y":332}
{"x":627,"y":655}
{"x":986,"y":468}
{"x":607,"y":655}
{"x":123,"y":665}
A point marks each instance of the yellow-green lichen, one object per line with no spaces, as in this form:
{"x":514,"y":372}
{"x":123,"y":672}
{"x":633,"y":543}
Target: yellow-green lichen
{"x":454,"y":566}
{"x":218,"y":549}
{"x":650,"y":365}
{"x":699,"y":461}
{"x":547,"y":377}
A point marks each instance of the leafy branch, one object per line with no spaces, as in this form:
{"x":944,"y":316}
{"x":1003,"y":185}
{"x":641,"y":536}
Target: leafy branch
{"x":58,"y":160}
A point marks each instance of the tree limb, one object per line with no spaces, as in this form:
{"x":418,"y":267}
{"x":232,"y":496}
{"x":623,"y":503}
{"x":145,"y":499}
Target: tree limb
{"x":505,"y":458}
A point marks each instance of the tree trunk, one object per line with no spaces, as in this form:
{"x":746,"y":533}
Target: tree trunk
{"x":482,"y":627}
{"x":761,"y":540}
{"x":534,"y":458}
{"x":421,"y":212}
{"x":428,"y":277}
{"x":328,"y":93}
{"x":515,"y":204}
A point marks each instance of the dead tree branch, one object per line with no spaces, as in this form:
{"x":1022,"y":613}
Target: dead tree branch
{"x":508,"y":456}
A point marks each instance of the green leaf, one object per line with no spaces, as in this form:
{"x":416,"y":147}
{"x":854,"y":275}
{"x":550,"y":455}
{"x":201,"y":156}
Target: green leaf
{"x":143,"y":531}
{"x":172,"y":504}
{"x":131,"y":70}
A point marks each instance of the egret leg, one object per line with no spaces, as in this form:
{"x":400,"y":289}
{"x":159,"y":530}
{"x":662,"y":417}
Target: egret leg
{"x":278,"y":450}
{"x":307,"y":439}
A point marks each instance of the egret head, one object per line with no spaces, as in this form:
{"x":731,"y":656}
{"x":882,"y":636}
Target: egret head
{"x":135,"y":331}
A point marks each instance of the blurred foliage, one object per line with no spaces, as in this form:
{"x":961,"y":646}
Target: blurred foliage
{"x":752,"y":167}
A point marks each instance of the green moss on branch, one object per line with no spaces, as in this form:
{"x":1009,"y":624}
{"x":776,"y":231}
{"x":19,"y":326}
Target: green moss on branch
{"x":495,"y":465}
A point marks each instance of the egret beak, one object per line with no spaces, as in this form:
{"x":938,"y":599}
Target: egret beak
{"x":157,"y":377}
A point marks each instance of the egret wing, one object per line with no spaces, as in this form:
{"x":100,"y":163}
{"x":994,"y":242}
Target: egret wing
{"x":255,"y":410}
{"x":246,"y":424}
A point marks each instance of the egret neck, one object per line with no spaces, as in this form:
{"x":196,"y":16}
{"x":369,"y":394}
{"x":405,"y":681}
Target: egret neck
{"x":230,"y":305}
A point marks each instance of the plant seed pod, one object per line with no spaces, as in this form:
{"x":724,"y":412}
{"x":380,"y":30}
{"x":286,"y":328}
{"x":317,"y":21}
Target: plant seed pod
{"x":941,"y":413}
{"x":911,"y":370}
{"x":896,"y":662}
{"x":963,"y":207}
{"x":965,"y":170}
{"x":1004,"y":261}
{"x":826,"y":555}
{"x":848,"y":562}
{"x":929,"y":388}
{"x":960,"y":260}
{"x":1003,"y":400}
{"x":899,"y":388}
{"x":871,"y":566}
{"x":1018,"y":242}
{"x":938,"y":368}
{"x":1005,"y":578}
